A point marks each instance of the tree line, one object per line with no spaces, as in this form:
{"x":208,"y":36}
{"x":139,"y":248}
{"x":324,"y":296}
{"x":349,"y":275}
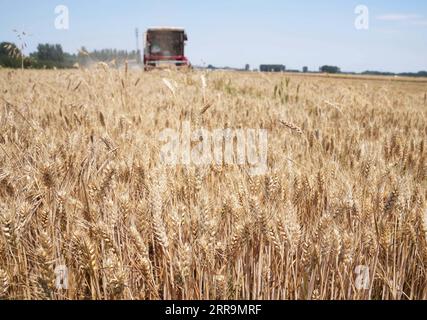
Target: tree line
{"x":49,"y":56}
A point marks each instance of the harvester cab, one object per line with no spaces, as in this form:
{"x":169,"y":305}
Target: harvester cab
{"x":164,"y":47}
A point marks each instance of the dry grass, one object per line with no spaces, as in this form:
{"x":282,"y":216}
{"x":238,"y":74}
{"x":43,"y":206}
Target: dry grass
{"x":80,"y":186}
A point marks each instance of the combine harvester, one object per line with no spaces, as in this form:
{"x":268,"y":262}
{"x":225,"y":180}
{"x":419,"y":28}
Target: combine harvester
{"x":164,"y":48}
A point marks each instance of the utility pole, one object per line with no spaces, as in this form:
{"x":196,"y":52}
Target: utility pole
{"x":138,"y":52}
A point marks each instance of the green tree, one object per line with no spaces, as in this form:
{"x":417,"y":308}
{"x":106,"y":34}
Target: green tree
{"x":10,"y":55}
{"x":330,"y":69}
{"x":50,"y":53}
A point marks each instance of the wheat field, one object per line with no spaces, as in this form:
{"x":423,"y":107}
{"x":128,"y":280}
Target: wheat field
{"x":81,"y":187}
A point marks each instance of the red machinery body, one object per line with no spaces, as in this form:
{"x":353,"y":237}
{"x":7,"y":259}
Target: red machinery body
{"x":165,"y":46}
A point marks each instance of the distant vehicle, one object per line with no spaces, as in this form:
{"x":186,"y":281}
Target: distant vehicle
{"x":165,"y":47}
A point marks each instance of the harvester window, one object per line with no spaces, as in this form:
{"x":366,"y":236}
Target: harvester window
{"x":166,"y":44}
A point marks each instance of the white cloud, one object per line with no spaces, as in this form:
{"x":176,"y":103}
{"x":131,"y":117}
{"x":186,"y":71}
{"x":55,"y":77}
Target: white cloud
{"x":398,"y":17}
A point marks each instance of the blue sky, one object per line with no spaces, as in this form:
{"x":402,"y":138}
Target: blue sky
{"x":235,"y":32}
